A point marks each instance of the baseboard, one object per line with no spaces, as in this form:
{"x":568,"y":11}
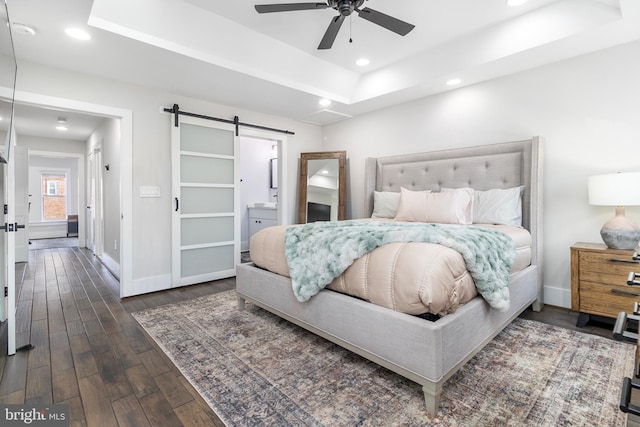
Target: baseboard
{"x":47,"y":231}
{"x":558,"y":297}
{"x":146,"y":285}
{"x":112,"y":265}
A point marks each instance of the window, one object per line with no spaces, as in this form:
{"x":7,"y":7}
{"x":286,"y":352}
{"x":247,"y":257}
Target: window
{"x":54,"y":197}
{"x":51,"y":188}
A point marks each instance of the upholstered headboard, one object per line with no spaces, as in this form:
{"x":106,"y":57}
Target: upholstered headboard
{"x":503,"y":165}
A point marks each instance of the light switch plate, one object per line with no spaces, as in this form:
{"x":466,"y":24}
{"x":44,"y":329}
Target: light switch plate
{"x":149,"y":191}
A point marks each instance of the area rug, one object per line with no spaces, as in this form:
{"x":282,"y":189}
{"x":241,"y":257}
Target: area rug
{"x":254,"y":369}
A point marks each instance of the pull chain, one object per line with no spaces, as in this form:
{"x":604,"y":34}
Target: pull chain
{"x":350,"y":23}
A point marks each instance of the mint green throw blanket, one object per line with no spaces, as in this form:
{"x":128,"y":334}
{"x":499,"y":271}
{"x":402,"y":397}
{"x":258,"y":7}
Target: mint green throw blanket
{"x":319,"y":252}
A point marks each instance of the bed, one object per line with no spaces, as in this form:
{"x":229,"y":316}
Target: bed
{"x":425,"y":351}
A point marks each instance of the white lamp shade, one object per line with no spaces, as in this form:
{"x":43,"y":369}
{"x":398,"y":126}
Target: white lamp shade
{"x":615,"y":189}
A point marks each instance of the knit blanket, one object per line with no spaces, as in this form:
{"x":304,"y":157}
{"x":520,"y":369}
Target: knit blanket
{"x":319,"y":252}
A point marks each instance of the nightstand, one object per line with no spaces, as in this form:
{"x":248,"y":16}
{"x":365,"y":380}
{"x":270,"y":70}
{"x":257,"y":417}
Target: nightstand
{"x":599,"y":281}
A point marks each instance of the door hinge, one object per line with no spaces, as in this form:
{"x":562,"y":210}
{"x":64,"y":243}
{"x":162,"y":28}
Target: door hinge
{"x":6,"y":291}
{"x":6,"y":209}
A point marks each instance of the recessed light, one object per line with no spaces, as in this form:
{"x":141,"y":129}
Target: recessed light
{"x":23,"y":29}
{"x":453,"y":82}
{"x":324,"y":102}
{"x":516,"y":2}
{"x":325,"y":172}
{"x":362,"y":62}
{"x":77,"y":33}
{"x":61,"y":128}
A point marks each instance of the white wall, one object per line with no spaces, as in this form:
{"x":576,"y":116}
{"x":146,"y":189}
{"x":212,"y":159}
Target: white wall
{"x":586,"y":108}
{"x":151,"y":151}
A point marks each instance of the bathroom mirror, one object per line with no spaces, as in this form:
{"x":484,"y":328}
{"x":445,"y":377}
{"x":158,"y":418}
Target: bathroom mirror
{"x":322,"y":186}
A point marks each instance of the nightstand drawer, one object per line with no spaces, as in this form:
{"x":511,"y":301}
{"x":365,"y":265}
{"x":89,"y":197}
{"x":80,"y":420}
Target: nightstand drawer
{"x":613,"y":278}
{"x":607,"y":300}
{"x":599,"y":281}
{"x":608,"y":263}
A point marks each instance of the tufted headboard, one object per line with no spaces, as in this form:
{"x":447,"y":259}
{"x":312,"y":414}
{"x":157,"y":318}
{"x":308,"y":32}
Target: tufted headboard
{"x":503,"y":165}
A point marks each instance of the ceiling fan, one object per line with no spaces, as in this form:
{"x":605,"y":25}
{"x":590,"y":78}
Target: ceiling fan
{"x":345,"y":8}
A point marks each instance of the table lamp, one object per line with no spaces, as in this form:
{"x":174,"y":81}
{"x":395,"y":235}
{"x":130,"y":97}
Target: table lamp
{"x":619,"y":190}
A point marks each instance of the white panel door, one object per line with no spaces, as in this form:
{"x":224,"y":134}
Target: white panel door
{"x":94,"y":209}
{"x":21,"y":168}
{"x":9,"y":244}
{"x":206,"y":220}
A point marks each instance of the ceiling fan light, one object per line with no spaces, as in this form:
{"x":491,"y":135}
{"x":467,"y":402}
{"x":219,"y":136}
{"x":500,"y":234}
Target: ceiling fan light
{"x":61,"y":128}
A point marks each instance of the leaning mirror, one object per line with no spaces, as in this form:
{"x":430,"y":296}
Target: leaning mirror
{"x":322,"y":187}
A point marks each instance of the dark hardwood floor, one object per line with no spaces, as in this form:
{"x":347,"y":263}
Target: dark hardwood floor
{"x":92,"y":355}
{"x":89,"y":352}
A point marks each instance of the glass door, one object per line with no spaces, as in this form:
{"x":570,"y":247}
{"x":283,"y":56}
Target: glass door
{"x":206,"y":220}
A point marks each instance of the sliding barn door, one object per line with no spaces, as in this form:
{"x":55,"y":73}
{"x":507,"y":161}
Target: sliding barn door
{"x":206,"y":220}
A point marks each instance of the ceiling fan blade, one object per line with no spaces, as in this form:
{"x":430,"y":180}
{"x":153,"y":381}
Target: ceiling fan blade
{"x":386,"y":21}
{"x":331,"y":33}
{"x":288,"y":7}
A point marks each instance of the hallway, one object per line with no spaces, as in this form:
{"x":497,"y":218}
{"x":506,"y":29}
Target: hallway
{"x":89,"y":351}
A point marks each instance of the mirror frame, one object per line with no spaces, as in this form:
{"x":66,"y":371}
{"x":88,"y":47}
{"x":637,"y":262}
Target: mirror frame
{"x":342,"y":182}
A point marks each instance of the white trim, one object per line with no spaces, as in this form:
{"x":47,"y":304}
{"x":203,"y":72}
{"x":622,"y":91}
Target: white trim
{"x":283,"y":182}
{"x":558,"y":297}
{"x":111,"y":264}
{"x":149,"y":284}
{"x":48,"y":230}
{"x":126,"y":169}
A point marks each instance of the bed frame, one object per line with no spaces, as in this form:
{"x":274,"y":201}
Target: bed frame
{"x":427,"y":352}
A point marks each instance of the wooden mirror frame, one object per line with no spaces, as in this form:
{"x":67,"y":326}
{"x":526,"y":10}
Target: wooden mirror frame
{"x":342,"y":182}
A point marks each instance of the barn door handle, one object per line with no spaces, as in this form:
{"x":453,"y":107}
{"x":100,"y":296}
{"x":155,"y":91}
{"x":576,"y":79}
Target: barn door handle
{"x":10,"y":228}
{"x":177,"y":204}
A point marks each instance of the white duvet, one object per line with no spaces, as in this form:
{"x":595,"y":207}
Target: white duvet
{"x":396,"y":275}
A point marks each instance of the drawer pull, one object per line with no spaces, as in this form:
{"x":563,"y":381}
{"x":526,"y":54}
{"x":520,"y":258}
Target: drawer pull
{"x":631,"y":279}
{"x":623,"y":292}
{"x":633,"y":260}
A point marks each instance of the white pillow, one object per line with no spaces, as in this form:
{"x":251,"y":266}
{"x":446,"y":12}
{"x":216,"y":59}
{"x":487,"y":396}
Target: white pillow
{"x":497,"y":206}
{"x":385,"y":204}
{"x":451,"y":207}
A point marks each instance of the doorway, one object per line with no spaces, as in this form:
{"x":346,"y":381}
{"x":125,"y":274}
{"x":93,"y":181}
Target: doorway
{"x":122,"y":179}
{"x":55,"y":183}
{"x":264,"y":180}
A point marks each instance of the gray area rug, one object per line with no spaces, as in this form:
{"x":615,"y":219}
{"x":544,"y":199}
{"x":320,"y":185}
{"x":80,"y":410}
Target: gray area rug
{"x":254,"y":368}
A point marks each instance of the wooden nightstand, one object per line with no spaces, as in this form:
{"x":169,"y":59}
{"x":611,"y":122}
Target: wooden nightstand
{"x":599,"y":281}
